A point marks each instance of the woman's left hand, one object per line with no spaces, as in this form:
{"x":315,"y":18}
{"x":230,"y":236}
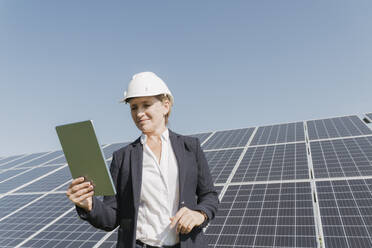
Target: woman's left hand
{"x":186,"y":219}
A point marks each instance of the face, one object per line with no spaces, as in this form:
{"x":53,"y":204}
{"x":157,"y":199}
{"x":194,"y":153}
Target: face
{"x":148,"y":113}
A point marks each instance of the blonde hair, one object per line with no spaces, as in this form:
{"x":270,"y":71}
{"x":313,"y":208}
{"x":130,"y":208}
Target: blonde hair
{"x":162,"y":98}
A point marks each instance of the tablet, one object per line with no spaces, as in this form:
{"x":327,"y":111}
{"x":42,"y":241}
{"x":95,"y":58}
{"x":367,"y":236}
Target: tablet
{"x":84,"y":155}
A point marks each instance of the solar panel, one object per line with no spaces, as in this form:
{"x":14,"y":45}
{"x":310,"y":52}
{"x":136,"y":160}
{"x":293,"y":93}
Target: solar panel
{"x":10,"y":173}
{"x":277,"y":189}
{"x":222,"y":162}
{"x":28,"y":221}
{"x":201,"y":136}
{"x":273,"y":162}
{"x":21,"y":160}
{"x":264,"y":215}
{"x":41,"y":160}
{"x":230,"y":138}
{"x":25,"y":177}
{"x":337,"y":127}
{"x":49,"y":182}
{"x":68,"y":231}
{"x":282,"y":133}
{"x":10,"y":203}
{"x":346,"y":212}
{"x":108,"y":150}
{"x":10,"y":158}
{"x":342,"y":157}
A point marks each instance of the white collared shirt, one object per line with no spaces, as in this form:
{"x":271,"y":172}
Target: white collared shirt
{"x":159,"y":195}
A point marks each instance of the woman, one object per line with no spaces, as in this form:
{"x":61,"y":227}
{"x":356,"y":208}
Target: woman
{"x":165,"y":193}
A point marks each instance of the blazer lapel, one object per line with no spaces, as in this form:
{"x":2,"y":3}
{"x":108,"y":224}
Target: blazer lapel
{"x":179,"y":151}
{"x":136,"y":170}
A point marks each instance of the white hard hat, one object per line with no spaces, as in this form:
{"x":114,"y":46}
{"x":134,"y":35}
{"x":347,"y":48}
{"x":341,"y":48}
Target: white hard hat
{"x":146,"y":84}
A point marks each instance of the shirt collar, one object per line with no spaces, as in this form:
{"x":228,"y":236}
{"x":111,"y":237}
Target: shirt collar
{"x":164,"y":137}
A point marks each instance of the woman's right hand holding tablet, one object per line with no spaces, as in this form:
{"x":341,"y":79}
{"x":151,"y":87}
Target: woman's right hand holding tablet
{"x":80,"y":193}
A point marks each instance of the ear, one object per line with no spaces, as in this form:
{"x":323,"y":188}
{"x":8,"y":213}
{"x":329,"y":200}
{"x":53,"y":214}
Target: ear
{"x":166,"y":105}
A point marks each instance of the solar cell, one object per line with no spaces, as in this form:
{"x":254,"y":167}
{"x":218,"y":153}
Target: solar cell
{"x":7,"y":159}
{"x":342,"y":157}
{"x":49,"y":182}
{"x":222,"y":162}
{"x":21,"y":160}
{"x":264,"y":215}
{"x":25,"y":177}
{"x":111,"y":241}
{"x":273,"y":162}
{"x":31,"y":219}
{"x":337,"y":127}
{"x":346,"y":213}
{"x":201,"y":136}
{"x":69,"y":231}
{"x":59,"y":160}
{"x":10,"y":203}
{"x":282,"y":133}
{"x":40,"y":160}
{"x":229,"y":138}
{"x":9,"y":173}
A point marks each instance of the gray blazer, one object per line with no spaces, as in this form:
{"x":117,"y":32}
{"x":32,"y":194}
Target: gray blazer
{"x":195,"y":186}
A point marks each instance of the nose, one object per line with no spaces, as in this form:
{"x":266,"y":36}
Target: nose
{"x":140,"y":112}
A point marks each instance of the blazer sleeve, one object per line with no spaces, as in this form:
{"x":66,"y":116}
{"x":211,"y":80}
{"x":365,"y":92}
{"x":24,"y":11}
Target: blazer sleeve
{"x":104,"y":215}
{"x":207,"y":195}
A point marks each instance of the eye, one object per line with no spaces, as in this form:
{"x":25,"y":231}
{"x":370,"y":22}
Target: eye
{"x":133,"y":108}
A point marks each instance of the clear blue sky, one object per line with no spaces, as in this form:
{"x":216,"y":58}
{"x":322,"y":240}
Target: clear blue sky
{"x":229,"y":64}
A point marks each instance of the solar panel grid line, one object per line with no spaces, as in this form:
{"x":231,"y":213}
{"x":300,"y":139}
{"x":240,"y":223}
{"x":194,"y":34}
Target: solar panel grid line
{"x":23,"y":172}
{"x":206,"y":140}
{"x":16,"y":157}
{"x":7,"y":158}
{"x":31,"y":202}
{"x":224,"y":149}
{"x":229,"y":179}
{"x":41,"y":158}
{"x":32,"y":156}
{"x":32,"y":181}
{"x":49,"y":182}
{"x":104,"y":238}
{"x":44,"y":227}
